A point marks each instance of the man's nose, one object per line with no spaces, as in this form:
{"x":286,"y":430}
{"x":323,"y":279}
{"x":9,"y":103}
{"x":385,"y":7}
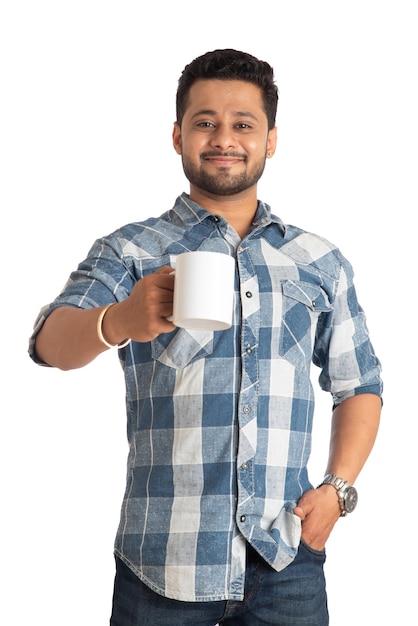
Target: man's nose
{"x":223,"y":138}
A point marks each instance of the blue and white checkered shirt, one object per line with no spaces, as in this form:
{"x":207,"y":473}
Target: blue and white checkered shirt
{"x":219,"y":423}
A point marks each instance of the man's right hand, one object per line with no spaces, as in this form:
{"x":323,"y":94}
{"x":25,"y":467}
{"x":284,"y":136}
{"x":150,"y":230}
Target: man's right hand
{"x":143,"y":315}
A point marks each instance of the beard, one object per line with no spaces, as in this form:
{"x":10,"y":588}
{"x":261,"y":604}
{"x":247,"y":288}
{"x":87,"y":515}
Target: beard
{"x":223,"y":183}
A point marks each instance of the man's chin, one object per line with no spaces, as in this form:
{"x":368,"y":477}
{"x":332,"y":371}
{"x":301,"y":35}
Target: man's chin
{"x":218,"y":187}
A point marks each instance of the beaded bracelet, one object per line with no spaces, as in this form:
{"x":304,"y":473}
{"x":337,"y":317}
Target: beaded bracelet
{"x":103,"y":312}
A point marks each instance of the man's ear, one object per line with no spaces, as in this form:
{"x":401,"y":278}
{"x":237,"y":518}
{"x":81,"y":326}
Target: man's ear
{"x":271,"y":142}
{"x":177,"y":137}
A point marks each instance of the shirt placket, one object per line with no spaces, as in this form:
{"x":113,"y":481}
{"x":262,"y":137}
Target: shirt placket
{"x":248,"y":393}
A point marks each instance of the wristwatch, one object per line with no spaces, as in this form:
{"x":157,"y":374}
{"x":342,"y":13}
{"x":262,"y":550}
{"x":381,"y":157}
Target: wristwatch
{"x":347,"y":494}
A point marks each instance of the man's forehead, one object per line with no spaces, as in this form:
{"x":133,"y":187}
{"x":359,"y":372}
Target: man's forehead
{"x":213,"y":95}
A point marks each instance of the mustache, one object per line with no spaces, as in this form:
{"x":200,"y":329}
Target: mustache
{"x":217,"y":153}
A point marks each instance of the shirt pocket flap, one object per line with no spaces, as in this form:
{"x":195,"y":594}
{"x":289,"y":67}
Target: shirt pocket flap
{"x":185,"y":347}
{"x":312,"y":296}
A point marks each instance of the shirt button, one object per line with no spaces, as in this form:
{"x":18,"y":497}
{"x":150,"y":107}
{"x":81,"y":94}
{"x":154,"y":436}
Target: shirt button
{"x":249,"y":294}
{"x":243,"y":518}
{"x":246,"y":409}
{"x":244,"y":466}
{"x":248,"y":350}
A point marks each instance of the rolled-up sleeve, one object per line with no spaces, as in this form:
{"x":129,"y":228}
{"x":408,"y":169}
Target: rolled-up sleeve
{"x":343,"y":349}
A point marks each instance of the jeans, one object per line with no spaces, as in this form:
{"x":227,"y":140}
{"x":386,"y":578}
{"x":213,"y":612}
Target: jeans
{"x":295,"y":596}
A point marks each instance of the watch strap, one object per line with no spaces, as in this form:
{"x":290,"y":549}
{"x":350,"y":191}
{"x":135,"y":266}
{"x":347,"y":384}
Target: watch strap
{"x":340,"y":485}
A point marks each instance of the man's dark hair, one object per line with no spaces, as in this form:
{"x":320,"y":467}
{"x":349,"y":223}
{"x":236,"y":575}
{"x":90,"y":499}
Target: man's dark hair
{"x":229,"y":65}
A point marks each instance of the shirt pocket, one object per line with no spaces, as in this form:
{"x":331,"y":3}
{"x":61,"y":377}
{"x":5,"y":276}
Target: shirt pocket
{"x":302,"y":304}
{"x":182,"y":348}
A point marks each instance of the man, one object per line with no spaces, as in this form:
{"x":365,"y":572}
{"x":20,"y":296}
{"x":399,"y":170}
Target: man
{"x":220,"y":522}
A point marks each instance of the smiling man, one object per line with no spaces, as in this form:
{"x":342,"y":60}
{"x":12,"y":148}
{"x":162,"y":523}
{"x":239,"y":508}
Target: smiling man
{"x":220,"y":522}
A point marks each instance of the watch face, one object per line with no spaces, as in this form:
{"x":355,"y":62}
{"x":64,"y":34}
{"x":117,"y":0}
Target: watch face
{"x":350,"y":499}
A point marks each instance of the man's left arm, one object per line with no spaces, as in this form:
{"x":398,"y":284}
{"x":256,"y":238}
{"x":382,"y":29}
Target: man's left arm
{"x":355,"y":424}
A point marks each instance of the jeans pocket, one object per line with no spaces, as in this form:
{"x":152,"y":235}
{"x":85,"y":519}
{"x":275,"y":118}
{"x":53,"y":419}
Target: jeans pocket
{"x":317,"y":553}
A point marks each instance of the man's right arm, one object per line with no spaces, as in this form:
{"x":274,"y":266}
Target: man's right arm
{"x":69,"y":339}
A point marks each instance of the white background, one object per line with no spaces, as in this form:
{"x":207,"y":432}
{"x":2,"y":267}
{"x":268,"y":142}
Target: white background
{"x":87,"y":106}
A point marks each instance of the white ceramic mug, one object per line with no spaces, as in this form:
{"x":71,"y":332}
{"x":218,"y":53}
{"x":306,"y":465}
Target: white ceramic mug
{"x":203,"y":290}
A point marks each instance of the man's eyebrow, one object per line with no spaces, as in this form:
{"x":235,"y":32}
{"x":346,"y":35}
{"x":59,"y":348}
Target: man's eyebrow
{"x":235,"y":114}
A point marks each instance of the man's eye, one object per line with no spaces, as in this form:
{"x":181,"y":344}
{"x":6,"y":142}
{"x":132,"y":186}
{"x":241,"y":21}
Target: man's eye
{"x":205,"y":124}
{"x":243,"y":125}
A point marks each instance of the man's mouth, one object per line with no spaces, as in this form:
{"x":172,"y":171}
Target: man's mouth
{"x":227,"y":159}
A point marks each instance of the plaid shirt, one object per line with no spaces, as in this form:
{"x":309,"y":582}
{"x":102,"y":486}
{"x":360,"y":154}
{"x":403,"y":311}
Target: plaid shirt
{"x":219,"y":423}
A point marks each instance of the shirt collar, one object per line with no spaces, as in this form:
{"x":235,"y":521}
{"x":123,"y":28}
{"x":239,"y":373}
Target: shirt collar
{"x":264,"y":216}
{"x":191,"y":213}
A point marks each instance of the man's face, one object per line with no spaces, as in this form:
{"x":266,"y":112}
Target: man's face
{"x":224,"y":137}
